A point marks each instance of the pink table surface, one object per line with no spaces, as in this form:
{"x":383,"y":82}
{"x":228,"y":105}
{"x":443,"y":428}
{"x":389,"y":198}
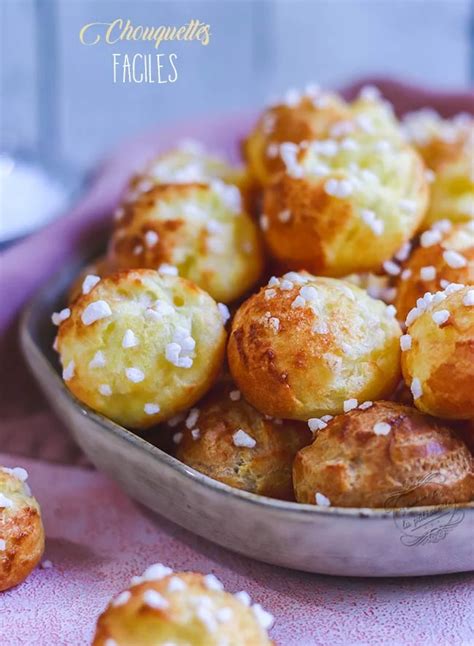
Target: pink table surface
{"x":97,"y":538}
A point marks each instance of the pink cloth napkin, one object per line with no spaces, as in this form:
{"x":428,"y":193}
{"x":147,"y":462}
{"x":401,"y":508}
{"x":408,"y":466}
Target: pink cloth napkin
{"x":97,"y":538}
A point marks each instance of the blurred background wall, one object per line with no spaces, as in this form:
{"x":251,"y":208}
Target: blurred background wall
{"x":58,"y":99}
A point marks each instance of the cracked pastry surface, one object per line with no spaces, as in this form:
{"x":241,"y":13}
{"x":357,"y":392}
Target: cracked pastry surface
{"x":227,"y":439}
{"x":304,"y":345}
{"x":387,"y":455}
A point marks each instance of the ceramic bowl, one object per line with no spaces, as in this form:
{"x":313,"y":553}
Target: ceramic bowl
{"x":338,"y":541}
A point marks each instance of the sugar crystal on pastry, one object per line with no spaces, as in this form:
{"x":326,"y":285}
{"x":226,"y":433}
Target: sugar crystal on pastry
{"x":90,"y":281}
{"x":322,"y":500}
{"x":58,"y":317}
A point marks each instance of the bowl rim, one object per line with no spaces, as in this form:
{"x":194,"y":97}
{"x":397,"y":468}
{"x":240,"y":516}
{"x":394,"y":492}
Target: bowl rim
{"x":303,"y":510}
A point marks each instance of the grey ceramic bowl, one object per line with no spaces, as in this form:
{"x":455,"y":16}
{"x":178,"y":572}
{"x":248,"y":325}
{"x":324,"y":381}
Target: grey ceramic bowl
{"x":351,"y":542}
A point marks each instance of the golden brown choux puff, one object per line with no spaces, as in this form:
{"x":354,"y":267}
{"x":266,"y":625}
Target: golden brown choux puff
{"x":21,"y":528}
{"x":201,"y":229}
{"x":445,"y":255}
{"x":227,"y":439}
{"x":163,"y":608}
{"x":345,"y":204}
{"x":303,"y":116}
{"x":447,"y":146}
{"x":438,"y":353}
{"x":452,"y":190}
{"x":304,"y":346}
{"x":141,"y":346}
{"x":190,"y":163}
{"x":385,"y":455}
{"x":438,"y":140}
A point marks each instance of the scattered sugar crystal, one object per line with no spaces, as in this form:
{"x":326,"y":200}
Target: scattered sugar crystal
{"x":5,"y":502}
{"x":129,"y":339}
{"x":440,"y":317}
{"x":316,"y":424}
{"x":454,"y":259}
{"x":89,"y":282}
{"x":338,"y":188}
{"x":212,"y":582}
{"x":430,"y":238}
{"x":241,"y":438}
{"x":322,"y":500}
{"x":428,"y":272}
{"x":151,"y":409}
{"x":135,"y":375}
{"x":416,"y":389}
{"x":122,"y":598}
{"x":151,"y":238}
{"x":176,"y":584}
{"x":350,"y":404}
{"x":155,"y":600}
{"x":243,"y":597}
{"x":468,"y":299}
{"x":68,"y":372}
{"x":192,"y":418}
{"x":224,"y":312}
{"x":96,"y":311}
{"x":58,"y":317}
{"x":167,"y":269}
{"x":98,"y":360}
{"x":382,"y":428}
{"x":155,"y":572}
{"x":391,"y":268}
{"x":405,"y":342}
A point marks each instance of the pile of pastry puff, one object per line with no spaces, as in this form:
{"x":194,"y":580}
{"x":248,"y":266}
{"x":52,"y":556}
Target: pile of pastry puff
{"x":301,"y":327}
